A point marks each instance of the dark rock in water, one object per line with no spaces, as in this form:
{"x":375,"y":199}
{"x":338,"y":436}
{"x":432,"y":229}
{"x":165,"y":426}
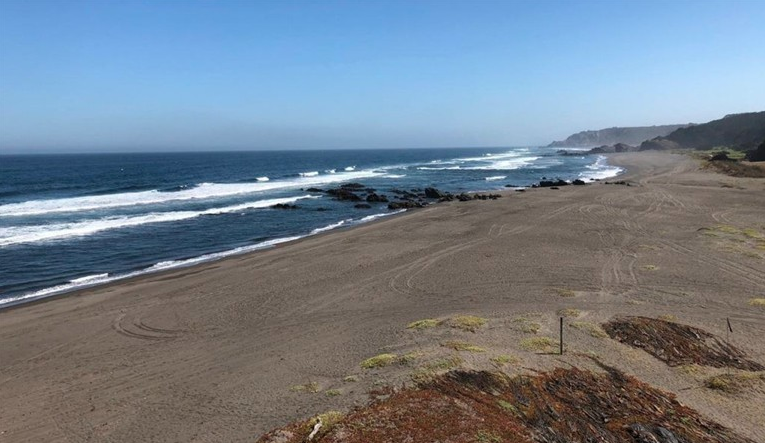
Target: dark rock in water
{"x":463,"y":197}
{"x":757,"y":155}
{"x":284,"y":206}
{"x":374,"y":198}
{"x":609,"y":149}
{"x":322,"y":209}
{"x":314,"y":190}
{"x":343,"y":194}
{"x":513,"y":186}
{"x":405,"y":205}
{"x":486,"y":196}
{"x":548,"y":183}
{"x":565,"y":153}
{"x":720,"y":156}
{"x":578,"y":182}
{"x":433,"y":193}
{"x":352,"y":186}
{"x":363,"y":206}
{"x":404,"y":194}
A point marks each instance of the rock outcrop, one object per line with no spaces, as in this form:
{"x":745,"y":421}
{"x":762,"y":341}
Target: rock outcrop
{"x":616,"y":135}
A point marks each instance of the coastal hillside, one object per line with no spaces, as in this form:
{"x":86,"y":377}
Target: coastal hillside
{"x":740,"y":131}
{"x":627,"y":135}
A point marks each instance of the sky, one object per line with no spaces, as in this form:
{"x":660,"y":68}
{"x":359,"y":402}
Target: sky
{"x":80,"y":76}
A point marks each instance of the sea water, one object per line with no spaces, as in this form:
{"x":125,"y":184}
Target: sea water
{"x":78,"y":220}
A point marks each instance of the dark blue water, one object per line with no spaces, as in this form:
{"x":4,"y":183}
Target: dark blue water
{"x":69,"y":221}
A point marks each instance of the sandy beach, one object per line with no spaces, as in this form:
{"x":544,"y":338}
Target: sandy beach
{"x":226,"y":351}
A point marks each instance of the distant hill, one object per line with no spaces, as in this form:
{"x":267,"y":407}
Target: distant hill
{"x":740,"y":131}
{"x":610,"y":136}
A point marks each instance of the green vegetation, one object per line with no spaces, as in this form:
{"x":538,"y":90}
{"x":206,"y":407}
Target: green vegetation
{"x":409,"y":357}
{"x":650,"y":267}
{"x":462,"y":346}
{"x":706,"y":154}
{"x":487,"y":437}
{"x":525,"y":325}
{"x":591,"y":328}
{"x":468,"y":322}
{"x":563,"y":292}
{"x":569,"y":312}
{"x":332,"y":392}
{"x":328,"y":420}
{"x":757,"y":302}
{"x":744,"y":241}
{"x":538,"y":344}
{"x":507,"y":406}
{"x":311,"y":388}
{"x":668,"y":317}
{"x":734,"y":383}
{"x":351,"y":379}
{"x":424,"y":324}
{"x":428,"y":371}
{"x":379,"y":361}
{"x":505,"y":359}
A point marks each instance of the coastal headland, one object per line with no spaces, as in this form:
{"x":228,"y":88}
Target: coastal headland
{"x":229,"y":350}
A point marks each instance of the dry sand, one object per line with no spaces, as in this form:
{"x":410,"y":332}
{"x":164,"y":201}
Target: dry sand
{"x":214,"y":353}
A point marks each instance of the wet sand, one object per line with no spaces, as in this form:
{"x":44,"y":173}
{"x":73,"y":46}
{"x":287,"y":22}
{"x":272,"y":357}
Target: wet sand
{"x":217,"y":352}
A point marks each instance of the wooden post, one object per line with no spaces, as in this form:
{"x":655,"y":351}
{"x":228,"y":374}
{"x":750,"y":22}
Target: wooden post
{"x":729,"y":327}
{"x":561,"y":336}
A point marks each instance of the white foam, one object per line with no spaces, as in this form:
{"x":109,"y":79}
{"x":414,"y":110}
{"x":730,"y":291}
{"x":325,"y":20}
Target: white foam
{"x":349,"y":168}
{"x":369,"y":218}
{"x":262,"y":179}
{"x":495,"y":177}
{"x":505,"y":164}
{"x":309,"y":174}
{"x":89,"y":281}
{"x":395,"y":175}
{"x":446,"y":168}
{"x":495,"y":156}
{"x":57,"y":231}
{"x":96,"y":279}
{"x":600,"y":170}
{"x":204,"y":191}
{"x":89,"y":278}
{"x":330,"y":227}
{"x":331,"y":171}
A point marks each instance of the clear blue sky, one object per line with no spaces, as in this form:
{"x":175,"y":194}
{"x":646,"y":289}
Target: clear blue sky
{"x":217,"y":74}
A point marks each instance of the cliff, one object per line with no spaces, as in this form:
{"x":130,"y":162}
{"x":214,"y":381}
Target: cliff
{"x":738,"y":131}
{"x":610,"y":136}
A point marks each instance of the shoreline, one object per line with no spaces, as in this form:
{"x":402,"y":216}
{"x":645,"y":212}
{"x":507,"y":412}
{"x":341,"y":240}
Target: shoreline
{"x":219,"y":351}
{"x":127,"y":276}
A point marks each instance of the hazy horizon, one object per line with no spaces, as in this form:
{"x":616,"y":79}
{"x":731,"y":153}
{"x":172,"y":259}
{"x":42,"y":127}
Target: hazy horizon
{"x":89,"y":76}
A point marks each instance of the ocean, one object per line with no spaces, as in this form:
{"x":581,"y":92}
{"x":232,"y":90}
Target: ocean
{"x":78,"y":220}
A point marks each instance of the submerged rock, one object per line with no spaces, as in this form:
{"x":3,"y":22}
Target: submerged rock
{"x":343,"y":194}
{"x":408,"y":204}
{"x":375,"y":198}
